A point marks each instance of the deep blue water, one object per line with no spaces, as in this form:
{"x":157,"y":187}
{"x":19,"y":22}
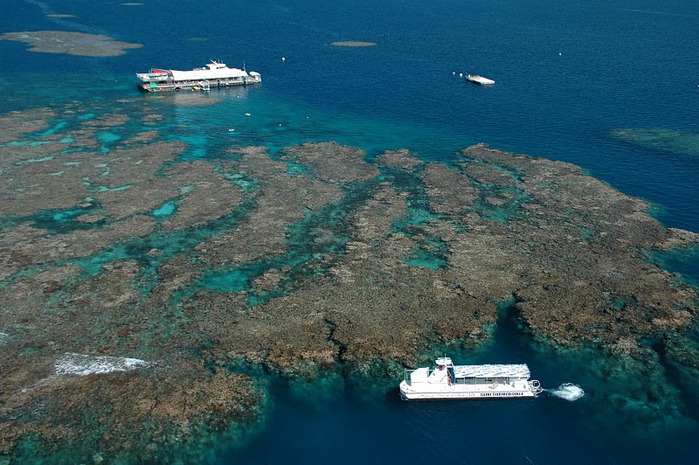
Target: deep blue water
{"x":568,"y":72}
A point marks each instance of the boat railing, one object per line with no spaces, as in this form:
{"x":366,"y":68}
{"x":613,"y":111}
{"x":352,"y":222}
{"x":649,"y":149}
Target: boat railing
{"x":149,"y":76}
{"x":406,"y":375}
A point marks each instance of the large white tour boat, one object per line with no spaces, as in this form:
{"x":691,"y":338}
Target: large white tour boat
{"x":215,"y":74}
{"x":448,"y":381}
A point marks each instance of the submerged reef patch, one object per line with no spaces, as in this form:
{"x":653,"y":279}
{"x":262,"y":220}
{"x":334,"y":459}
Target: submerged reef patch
{"x":339,"y":264}
{"x":665,"y":140}
{"x":353,"y":43}
{"x":70,"y":43}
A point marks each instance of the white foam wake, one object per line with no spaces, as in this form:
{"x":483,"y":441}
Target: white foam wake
{"x":83,"y":365}
{"x":568,"y":391}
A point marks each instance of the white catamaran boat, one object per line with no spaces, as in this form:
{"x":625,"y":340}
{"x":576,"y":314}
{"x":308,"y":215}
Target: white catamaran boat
{"x":215,"y":74}
{"x":448,"y":381}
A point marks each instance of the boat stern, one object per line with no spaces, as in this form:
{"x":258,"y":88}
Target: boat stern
{"x":254,"y":77}
{"x":401,"y":389}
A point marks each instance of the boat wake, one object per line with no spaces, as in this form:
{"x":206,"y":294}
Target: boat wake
{"x":83,"y":365}
{"x":568,"y":391}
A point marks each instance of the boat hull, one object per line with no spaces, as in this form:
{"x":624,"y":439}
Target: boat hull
{"x":456,"y":391}
{"x":184,"y":86}
{"x":480,"y":80}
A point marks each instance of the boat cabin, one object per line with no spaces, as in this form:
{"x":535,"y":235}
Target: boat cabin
{"x":445,"y":372}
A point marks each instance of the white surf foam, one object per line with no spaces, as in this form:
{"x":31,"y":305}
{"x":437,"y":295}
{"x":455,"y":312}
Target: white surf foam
{"x":83,"y":365}
{"x":568,"y":391}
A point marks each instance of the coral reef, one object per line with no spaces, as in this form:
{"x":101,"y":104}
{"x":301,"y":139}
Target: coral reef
{"x":664,"y":140}
{"x":116,"y":248}
{"x":166,"y":407}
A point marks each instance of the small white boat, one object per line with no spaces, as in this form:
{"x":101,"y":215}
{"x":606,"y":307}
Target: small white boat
{"x":202,"y":86}
{"x":448,"y":381}
{"x":484,"y":81}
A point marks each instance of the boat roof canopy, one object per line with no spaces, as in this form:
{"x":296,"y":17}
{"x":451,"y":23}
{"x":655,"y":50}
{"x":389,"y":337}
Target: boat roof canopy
{"x":213,"y":70}
{"x":492,"y":371}
{"x":200,"y":74}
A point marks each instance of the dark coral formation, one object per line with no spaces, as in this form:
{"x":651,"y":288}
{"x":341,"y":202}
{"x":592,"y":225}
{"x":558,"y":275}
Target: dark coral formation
{"x":134,"y":414}
{"x":581,"y":274}
{"x":353,"y":43}
{"x":71,"y":43}
{"x":664,"y":140}
{"x":310,"y":259}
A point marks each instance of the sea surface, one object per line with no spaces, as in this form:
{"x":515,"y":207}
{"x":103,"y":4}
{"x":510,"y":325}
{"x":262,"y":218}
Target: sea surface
{"x":570,"y":74}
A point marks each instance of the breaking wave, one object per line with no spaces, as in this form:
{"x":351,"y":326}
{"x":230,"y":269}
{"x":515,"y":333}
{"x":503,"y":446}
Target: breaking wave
{"x":568,"y":391}
{"x":83,"y":365}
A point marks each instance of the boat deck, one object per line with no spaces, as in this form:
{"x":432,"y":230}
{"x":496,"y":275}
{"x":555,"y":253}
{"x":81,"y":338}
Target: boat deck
{"x":492,"y":371}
